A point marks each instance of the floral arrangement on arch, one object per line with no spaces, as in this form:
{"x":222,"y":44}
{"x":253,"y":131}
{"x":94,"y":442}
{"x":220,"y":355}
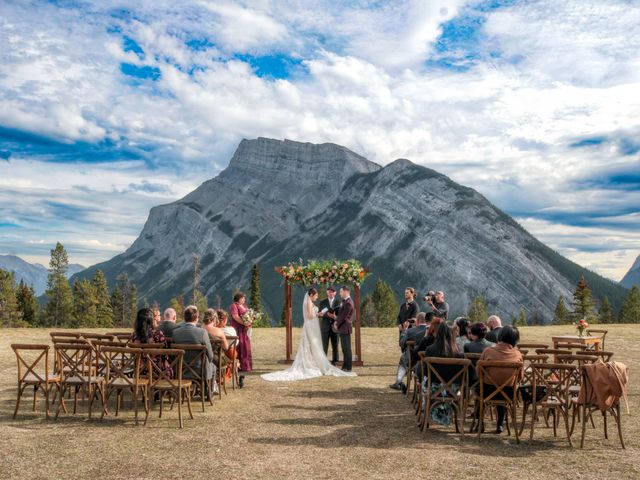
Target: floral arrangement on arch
{"x":324,"y":272}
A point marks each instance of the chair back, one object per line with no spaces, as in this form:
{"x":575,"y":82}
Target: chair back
{"x":122,"y":365}
{"x":604,"y":356}
{"x":76,"y":361}
{"x":531,"y":346}
{"x":487,"y":376}
{"x":603,"y":334}
{"x":159,"y":377}
{"x":120,"y":336}
{"x":33,"y":362}
{"x":194,"y":361}
{"x":96,"y":336}
{"x":555,"y":380}
{"x":553,"y":351}
{"x":570,"y":346}
{"x":457,"y":373}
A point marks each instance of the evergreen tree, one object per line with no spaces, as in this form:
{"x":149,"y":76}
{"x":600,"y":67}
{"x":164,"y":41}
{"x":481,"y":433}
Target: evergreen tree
{"x":583,"y":305}
{"x":84,"y":304}
{"x":59,"y":309}
{"x":385,"y":304}
{"x":521,"y":320}
{"x":27,"y":304}
{"x":124,"y":301}
{"x":104,"y":312}
{"x":478,"y":310}
{"x":368,"y":312}
{"x":9,"y":312}
{"x":254,"y":293}
{"x":630,"y":310}
{"x":561,"y":315}
{"x":200,"y":301}
{"x":177,"y":303}
{"x":605,"y":313}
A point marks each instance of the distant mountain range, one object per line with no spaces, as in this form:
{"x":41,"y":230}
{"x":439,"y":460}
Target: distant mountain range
{"x":633,"y":275}
{"x":32,"y":274}
{"x":282,"y":200}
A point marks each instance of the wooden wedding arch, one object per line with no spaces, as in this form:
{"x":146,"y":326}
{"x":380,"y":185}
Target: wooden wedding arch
{"x":322,"y":273}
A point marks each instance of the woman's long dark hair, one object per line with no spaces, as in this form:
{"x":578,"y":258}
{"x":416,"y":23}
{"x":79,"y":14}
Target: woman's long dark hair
{"x":445,"y":341}
{"x":463,"y":326}
{"x":144,"y":323}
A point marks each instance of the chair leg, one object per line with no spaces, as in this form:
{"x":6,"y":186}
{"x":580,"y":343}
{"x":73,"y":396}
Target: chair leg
{"x":46,"y":400}
{"x":480,"y":419}
{"x":617,"y":415}
{"x":134,"y":393}
{"x":20,"y":392}
{"x":585,"y":413}
{"x":180,"y":407}
{"x":525,"y":407}
{"x":565,"y":415}
{"x":514,"y":417}
{"x":35,"y":394}
{"x":147,"y":404}
{"x":189,"y":402}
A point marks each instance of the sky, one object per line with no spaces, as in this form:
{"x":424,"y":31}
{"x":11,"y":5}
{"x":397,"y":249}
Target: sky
{"x":108,"y":108}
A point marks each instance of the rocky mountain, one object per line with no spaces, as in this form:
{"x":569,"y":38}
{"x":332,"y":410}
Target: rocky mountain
{"x":282,"y":200}
{"x":633,"y":275}
{"x":32,"y":273}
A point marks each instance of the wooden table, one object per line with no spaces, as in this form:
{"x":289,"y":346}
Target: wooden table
{"x":595,"y":341}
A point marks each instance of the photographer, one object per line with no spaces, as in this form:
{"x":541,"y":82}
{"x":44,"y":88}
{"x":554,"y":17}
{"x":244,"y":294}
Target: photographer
{"x":435,"y":302}
{"x":408,"y":310}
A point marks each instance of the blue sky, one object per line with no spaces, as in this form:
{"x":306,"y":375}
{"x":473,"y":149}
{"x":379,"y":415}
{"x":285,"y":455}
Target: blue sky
{"x":111,"y":107}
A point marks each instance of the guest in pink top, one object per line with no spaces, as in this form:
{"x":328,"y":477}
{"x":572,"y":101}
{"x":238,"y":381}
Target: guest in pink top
{"x":237,"y":310}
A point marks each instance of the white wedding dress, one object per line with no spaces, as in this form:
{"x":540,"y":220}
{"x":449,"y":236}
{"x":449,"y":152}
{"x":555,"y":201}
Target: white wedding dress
{"x":310,"y":361}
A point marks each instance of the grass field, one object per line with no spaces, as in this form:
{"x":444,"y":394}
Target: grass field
{"x":322,"y":428}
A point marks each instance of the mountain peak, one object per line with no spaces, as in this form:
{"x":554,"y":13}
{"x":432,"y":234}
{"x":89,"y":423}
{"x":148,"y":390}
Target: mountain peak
{"x":633,"y":275}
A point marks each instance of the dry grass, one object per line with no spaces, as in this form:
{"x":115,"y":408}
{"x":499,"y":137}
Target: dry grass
{"x":323,"y":428}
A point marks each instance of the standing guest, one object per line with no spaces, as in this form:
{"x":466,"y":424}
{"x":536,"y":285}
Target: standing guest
{"x":169,"y":322}
{"x":437,"y":305}
{"x":414,"y":334}
{"x":143,"y":332}
{"x":504,"y":351}
{"x":188,"y":332}
{"x":237,"y":310}
{"x":462,"y":325}
{"x":478,"y":343}
{"x":331,"y":305}
{"x":408,"y":310}
{"x":495,"y":325}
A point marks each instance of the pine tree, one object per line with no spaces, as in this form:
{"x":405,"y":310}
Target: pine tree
{"x":521,"y":321}
{"x":385,"y":304}
{"x":478,"y":310}
{"x":368,"y":312}
{"x":84,"y":304}
{"x":630,"y":310}
{"x":104,"y":312}
{"x":583,"y":305}
{"x":561,"y":315}
{"x":124,"y":301}
{"x":198,"y":299}
{"x":254,"y":293}
{"x":27,"y":304}
{"x":59,"y":309}
{"x":605,"y":313}
{"x":9,"y":312}
{"x":177,"y":303}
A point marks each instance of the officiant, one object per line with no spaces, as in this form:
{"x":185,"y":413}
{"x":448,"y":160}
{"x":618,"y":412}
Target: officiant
{"x":329,"y":305}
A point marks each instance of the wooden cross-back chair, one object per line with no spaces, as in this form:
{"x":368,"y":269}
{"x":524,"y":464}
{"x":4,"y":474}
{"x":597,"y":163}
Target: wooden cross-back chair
{"x":449,"y":391}
{"x":33,"y":371}
{"x":555,"y":378}
{"x":233,"y":344}
{"x":122,"y":374}
{"x":603,"y":334}
{"x":64,"y":334}
{"x":78,"y":372}
{"x":525,"y":388}
{"x":585,"y":406}
{"x":531,"y":346}
{"x":499,"y":396}
{"x":601,"y":354}
{"x":161,"y":381}
{"x":472,"y":377}
{"x":122,"y":337}
{"x":194,"y":368}
{"x":418,"y":388}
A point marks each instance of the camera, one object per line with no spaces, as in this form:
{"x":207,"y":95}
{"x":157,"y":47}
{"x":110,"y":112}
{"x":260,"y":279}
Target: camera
{"x":430,"y":296}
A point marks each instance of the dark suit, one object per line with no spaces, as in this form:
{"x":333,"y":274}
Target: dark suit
{"x":492,"y":336}
{"x":191,"y":334}
{"x":478,"y":346}
{"x":343,"y":326}
{"x":167,"y":327}
{"x":325,"y":328}
{"x":415,"y":334}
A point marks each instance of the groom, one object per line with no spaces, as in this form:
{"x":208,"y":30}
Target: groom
{"x":342,"y":326}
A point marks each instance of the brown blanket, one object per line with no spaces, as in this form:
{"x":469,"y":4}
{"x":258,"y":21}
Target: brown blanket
{"x":607,"y":382}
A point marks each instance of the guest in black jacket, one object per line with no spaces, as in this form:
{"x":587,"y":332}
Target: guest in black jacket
{"x":408,"y":310}
{"x":414,"y":334}
{"x":478,"y":343}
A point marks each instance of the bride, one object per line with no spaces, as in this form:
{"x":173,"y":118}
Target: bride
{"x":310,"y":360}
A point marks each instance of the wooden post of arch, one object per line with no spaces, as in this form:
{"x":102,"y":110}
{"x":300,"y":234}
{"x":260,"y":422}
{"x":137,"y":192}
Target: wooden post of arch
{"x":357,"y":361}
{"x":288,"y":321}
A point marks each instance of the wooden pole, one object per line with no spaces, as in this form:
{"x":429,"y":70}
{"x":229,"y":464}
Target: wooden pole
{"x":288,"y":321}
{"x":356,"y":297}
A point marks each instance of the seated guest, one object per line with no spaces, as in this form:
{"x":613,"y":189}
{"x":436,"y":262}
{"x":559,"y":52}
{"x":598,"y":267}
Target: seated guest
{"x":495,"y":325}
{"x":504,"y":351}
{"x":462,"y":325}
{"x":143,"y":332}
{"x":169,"y":323}
{"x":209,"y":323}
{"x":414,"y":334}
{"x":156,"y":317}
{"x":223,"y":318}
{"x":427,"y":340}
{"x":188,"y":332}
{"x":478,"y":343}
{"x":444,"y":346}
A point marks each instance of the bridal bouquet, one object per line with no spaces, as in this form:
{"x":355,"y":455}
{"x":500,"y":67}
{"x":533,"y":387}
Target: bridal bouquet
{"x":248,"y":319}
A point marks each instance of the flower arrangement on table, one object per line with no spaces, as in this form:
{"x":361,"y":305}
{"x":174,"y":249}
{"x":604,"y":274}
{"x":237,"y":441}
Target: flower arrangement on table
{"x":581,"y":325}
{"x":324,"y":272}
